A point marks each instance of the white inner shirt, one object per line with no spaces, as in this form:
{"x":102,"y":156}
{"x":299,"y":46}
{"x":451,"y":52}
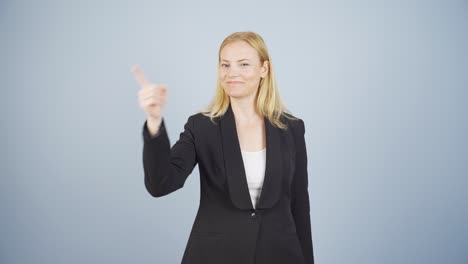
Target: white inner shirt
{"x":254,"y":164}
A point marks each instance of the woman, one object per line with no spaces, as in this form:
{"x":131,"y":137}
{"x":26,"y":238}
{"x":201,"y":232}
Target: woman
{"x":254,"y":204}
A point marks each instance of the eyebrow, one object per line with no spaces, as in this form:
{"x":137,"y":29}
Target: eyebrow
{"x":237,"y":61}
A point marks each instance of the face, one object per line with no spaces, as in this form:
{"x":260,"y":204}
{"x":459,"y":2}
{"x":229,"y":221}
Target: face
{"x":240,"y":70}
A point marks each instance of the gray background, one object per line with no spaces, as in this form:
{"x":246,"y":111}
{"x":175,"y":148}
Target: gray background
{"x":381,"y":86}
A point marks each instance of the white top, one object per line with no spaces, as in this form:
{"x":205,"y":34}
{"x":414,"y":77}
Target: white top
{"x":254,"y":164}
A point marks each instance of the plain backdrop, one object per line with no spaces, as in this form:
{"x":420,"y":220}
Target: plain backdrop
{"x":381,"y":86}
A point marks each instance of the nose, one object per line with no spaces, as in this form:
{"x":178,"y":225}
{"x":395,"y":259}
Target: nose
{"x":233,"y":71}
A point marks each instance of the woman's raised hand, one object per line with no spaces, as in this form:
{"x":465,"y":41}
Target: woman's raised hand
{"x":152,"y":98}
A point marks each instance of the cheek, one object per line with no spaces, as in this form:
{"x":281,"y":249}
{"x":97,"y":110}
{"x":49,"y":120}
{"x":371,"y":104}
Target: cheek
{"x":252,"y":78}
{"x":249,"y":75}
{"x":221,"y":75}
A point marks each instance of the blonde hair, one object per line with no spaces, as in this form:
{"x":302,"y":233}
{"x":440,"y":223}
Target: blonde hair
{"x":268,"y":101}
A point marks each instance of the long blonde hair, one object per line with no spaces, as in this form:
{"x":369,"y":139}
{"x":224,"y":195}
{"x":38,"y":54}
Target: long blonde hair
{"x":268,"y":101}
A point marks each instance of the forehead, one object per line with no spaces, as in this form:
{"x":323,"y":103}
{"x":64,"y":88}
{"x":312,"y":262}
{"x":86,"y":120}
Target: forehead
{"x":238,"y":50}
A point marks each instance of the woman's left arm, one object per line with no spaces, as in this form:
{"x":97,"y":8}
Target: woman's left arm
{"x":300,"y":195}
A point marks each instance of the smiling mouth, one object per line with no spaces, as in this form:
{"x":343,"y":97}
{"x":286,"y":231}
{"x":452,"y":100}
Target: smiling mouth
{"x":234,"y":82}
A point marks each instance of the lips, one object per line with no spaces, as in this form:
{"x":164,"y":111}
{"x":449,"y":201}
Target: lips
{"x":233,"y":82}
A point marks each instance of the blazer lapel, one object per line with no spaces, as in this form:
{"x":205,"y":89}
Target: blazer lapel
{"x":234,"y":166}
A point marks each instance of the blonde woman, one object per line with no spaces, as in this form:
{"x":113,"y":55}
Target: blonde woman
{"x":251,"y":153}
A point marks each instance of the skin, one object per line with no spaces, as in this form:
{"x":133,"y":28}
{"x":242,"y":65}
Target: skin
{"x":152,"y":98}
{"x":240,"y":71}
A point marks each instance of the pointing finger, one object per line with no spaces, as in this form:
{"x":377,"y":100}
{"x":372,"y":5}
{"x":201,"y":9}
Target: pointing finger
{"x":140,"y":76}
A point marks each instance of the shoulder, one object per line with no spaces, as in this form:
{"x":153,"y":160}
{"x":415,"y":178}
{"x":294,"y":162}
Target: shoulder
{"x":200,"y":118}
{"x":295,"y":123}
{"x":199,"y":121}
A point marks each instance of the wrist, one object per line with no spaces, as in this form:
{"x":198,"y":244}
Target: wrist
{"x":154,"y":125}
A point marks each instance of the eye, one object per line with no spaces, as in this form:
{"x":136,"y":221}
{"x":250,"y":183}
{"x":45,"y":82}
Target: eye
{"x":244,"y":64}
{"x":223,"y":65}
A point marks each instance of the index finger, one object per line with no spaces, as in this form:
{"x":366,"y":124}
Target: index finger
{"x":139,"y":75}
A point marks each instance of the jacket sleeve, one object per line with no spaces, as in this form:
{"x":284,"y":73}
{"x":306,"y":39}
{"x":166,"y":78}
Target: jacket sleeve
{"x":166,"y":168}
{"x":300,"y":196}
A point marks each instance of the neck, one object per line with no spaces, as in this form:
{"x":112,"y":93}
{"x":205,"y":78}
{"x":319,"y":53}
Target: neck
{"x":244,"y":110}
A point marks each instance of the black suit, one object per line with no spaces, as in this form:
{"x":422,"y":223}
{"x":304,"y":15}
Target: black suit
{"x":227,"y":229}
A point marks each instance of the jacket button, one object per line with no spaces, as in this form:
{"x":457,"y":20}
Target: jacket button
{"x":253,"y":215}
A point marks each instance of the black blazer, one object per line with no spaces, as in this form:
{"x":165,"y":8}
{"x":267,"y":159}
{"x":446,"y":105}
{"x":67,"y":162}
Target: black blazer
{"x":227,"y":229}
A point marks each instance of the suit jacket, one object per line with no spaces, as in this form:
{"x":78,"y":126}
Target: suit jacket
{"x":227,"y":229}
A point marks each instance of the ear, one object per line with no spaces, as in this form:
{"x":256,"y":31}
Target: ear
{"x":265,"y":69}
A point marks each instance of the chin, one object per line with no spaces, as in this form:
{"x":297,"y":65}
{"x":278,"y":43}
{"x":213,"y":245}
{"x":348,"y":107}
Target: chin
{"x":234,"y":95}
{"x":233,"y":92}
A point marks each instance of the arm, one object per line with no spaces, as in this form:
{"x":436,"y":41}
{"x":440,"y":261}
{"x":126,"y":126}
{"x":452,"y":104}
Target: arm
{"x":300,"y":196}
{"x":166,"y":168}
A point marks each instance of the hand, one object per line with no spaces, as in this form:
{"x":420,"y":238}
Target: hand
{"x":152,"y":99}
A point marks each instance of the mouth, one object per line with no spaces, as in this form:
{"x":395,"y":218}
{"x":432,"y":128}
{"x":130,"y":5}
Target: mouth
{"x":233,"y":82}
